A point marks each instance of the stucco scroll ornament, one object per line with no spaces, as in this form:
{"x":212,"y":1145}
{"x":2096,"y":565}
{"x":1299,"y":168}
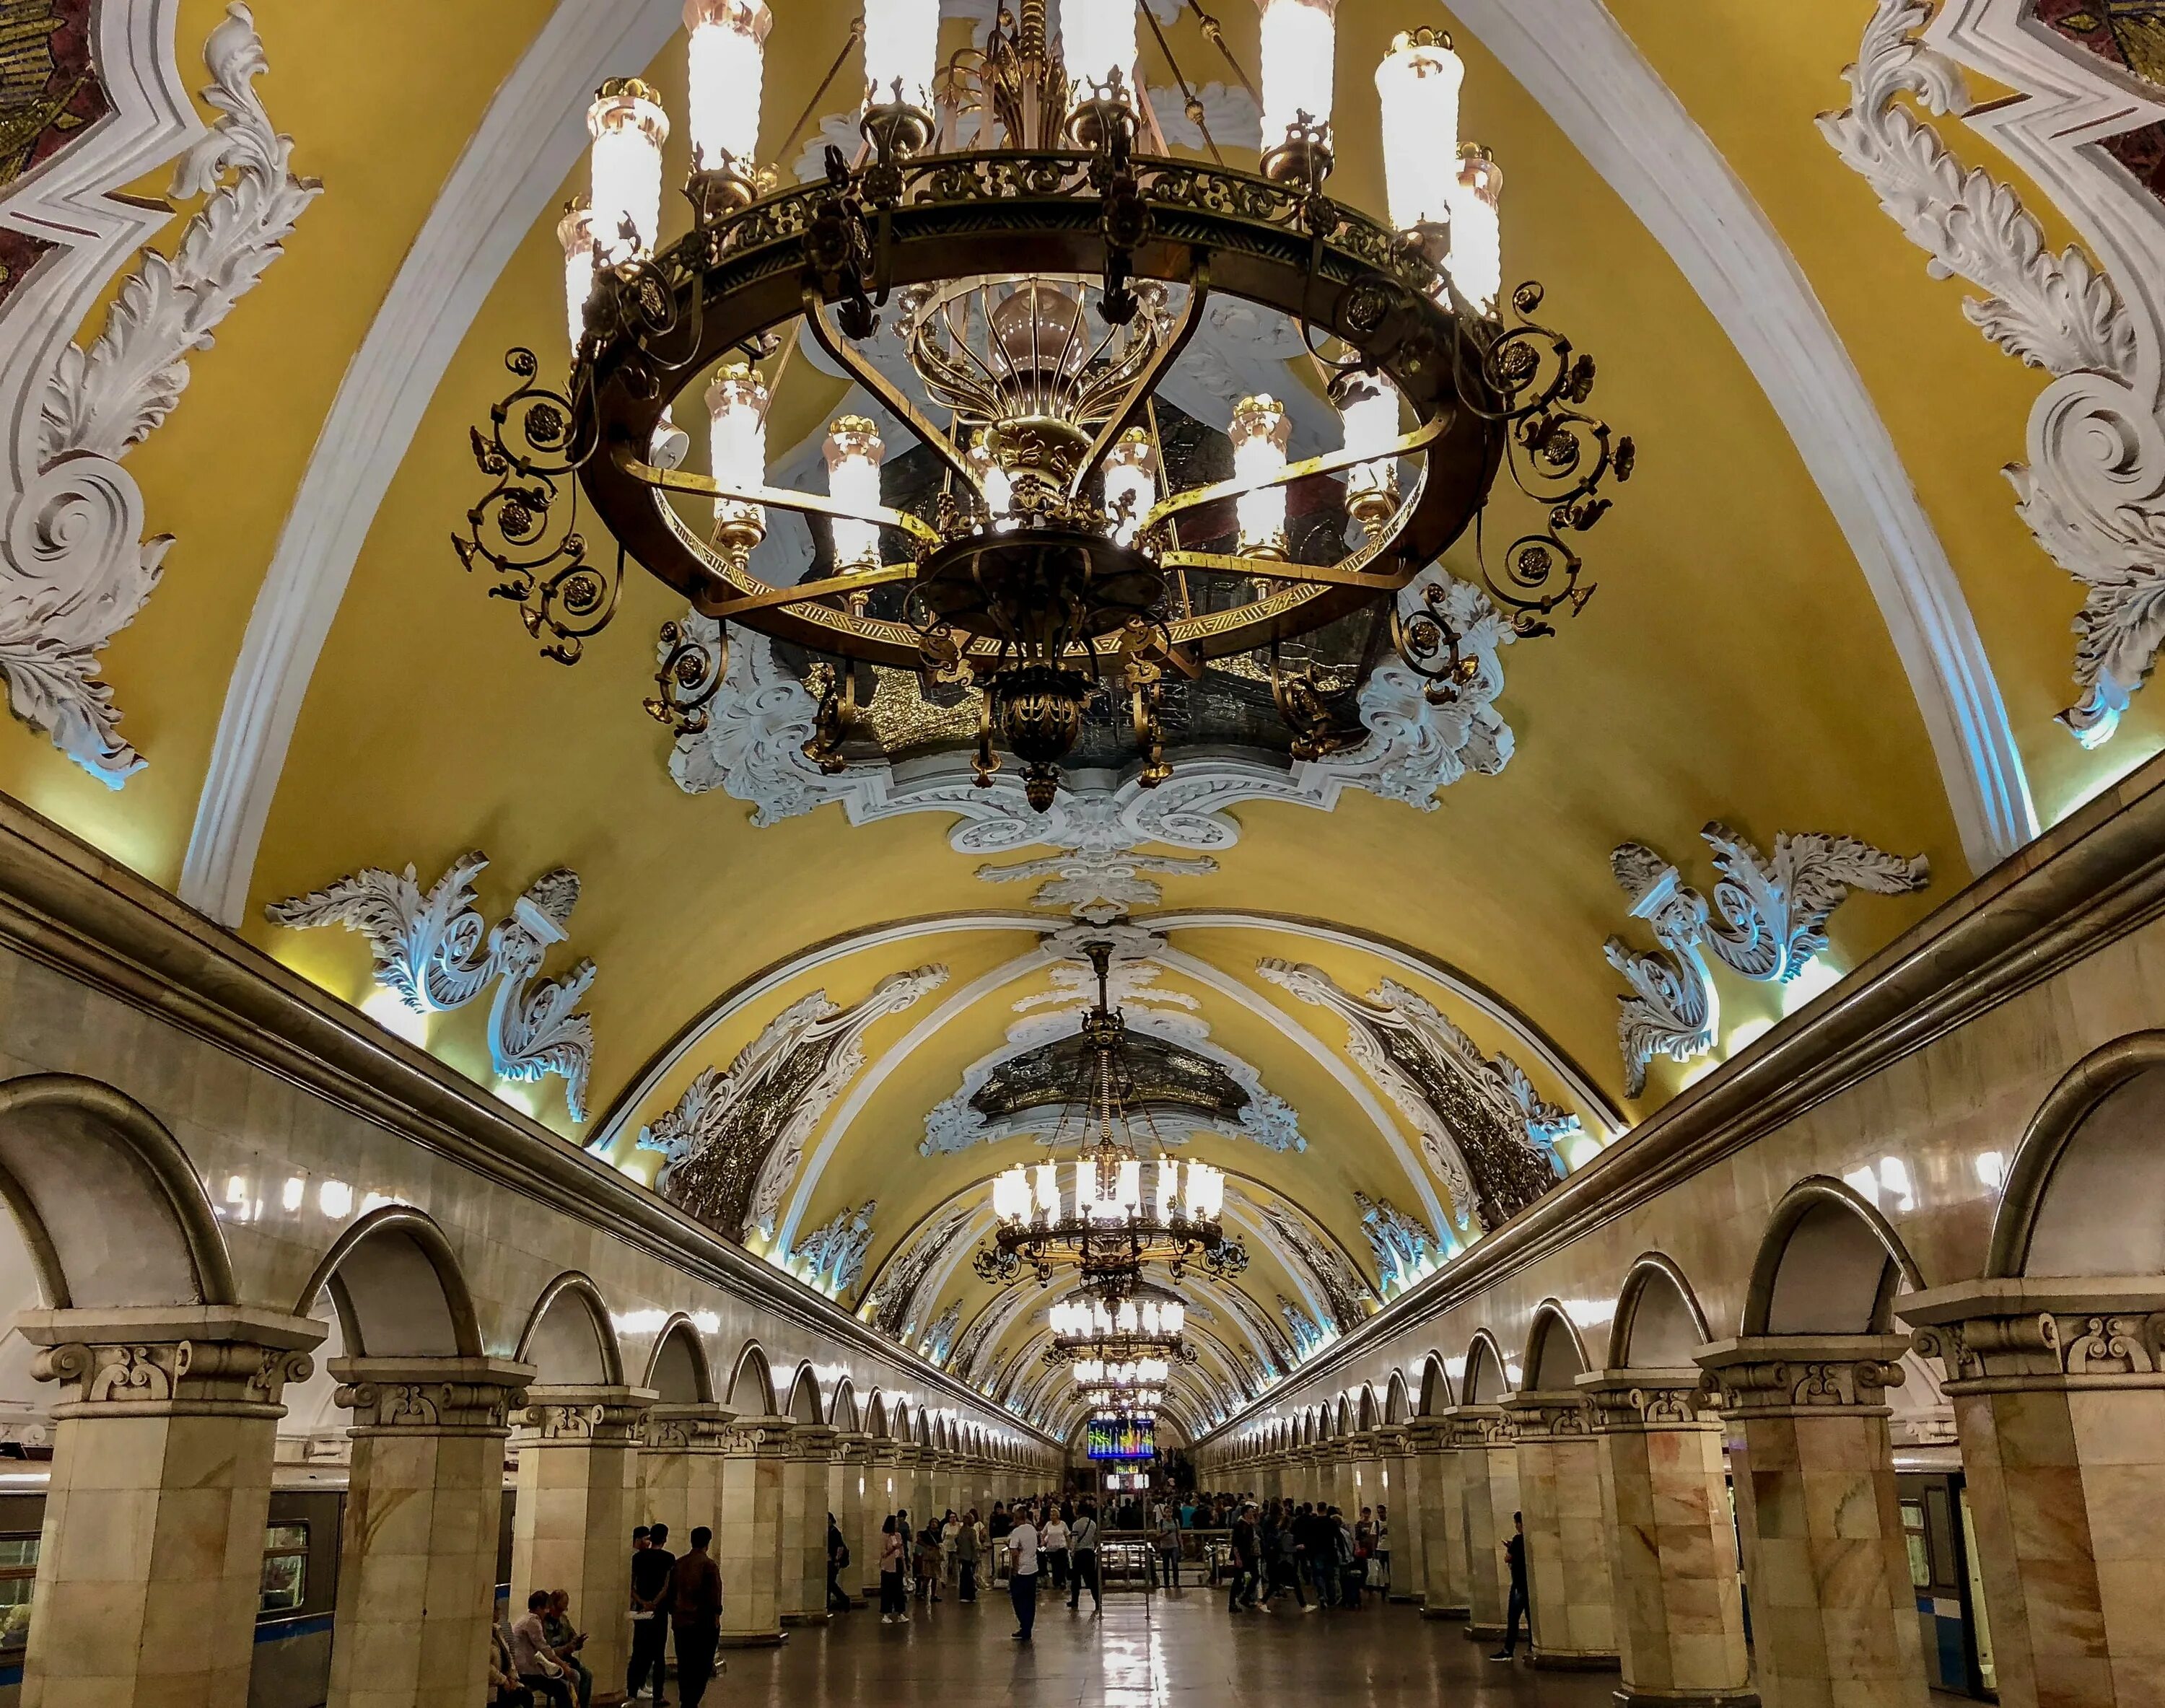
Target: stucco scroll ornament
{"x":435,"y":952}
{"x":1403,"y":1245}
{"x":1341,"y":1285}
{"x":939,"y":1340}
{"x":1768,"y":922}
{"x":832,"y":1256}
{"x":890,"y":1303}
{"x":78,"y":568}
{"x":2093,"y":490}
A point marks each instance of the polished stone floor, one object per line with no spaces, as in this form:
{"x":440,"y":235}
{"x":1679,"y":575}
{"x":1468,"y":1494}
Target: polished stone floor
{"x":1180,"y":1650}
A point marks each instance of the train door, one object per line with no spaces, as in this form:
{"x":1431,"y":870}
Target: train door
{"x":1935,"y":1531}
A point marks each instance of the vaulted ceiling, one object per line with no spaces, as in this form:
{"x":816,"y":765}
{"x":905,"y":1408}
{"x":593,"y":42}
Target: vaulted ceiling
{"x":1818,"y":612}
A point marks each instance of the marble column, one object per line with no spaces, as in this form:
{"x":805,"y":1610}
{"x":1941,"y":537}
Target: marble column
{"x":853,"y":1504}
{"x":577,"y":1495}
{"x":417,"y":1550}
{"x":160,"y":1488}
{"x":1672,"y":1549}
{"x":913,"y":1487}
{"x":1489,"y":1490}
{"x":749,"y":1540}
{"x":1330,"y":1471}
{"x":1834,"y":1618}
{"x":805,"y":1525}
{"x":886,"y":1484}
{"x":1401,"y":1493}
{"x":2058,"y":1388}
{"x":1441,"y":1517}
{"x":680,"y":1468}
{"x":1572,"y":1608}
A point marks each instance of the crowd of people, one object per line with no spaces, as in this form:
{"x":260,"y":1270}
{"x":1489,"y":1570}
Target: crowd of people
{"x":1035,"y":1546}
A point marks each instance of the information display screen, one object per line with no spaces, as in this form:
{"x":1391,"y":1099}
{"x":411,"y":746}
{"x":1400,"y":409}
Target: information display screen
{"x":1122,"y":1438}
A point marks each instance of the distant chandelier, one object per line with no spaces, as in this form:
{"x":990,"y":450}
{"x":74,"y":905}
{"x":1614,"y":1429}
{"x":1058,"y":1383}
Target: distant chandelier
{"x":1125,"y":1402}
{"x":1109,"y":1331}
{"x":1122,"y":1211}
{"x":1064,"y":558}
{"x":1145,"y":1373}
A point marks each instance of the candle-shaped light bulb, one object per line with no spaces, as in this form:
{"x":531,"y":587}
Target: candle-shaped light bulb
{"x":736,"y":418}
{"x":726,"y":46}
{"x":1417,"y":100}
{"x":1259,"y":433}
{"x":628,"y":127}
{"x":1477,"y":235}
{"x":854,"y":453}
{"x":902,"y":52}
{"x":575,"y":232}
{"x":1130,"y":484}
{"x":1368,"y":414}
{"x":1098,"y":44}
{"x":1299,"y":62}
{"x":1048,"y":1190}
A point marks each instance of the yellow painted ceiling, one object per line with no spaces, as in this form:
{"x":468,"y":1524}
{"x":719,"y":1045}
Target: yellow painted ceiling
{"x":1733,"y":665}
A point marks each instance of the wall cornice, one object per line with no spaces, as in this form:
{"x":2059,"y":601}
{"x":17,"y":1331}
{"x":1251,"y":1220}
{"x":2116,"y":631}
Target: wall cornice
{"x":68,"y":907}
{"x":2095,"y":878}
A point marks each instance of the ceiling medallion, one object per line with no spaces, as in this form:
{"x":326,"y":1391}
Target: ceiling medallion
{"x":1064,"y":555}
{"x":1121,"y":1209}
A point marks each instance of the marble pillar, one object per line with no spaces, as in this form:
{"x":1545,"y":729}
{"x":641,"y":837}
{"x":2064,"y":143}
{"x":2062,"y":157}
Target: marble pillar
{"x":853,"y":1504}
{"x":805,"y":1525}
{"x":1363,"y":1479}
{"x":885,"y":1488}
{"x":152,"y":1561}
{"x":2058,"y":1388}
{"x":912,"y":1488}
{"x":1329,"y":1472}
{"x":1488,"y":1495}
{"x":1441,"y":1517}
{"x":1401,"y":1494}
{"x":578,"y":1499}
{"x":417,"y":1550}
{"x":1672,"y":1549}
{"x":1572,"y":1606}
{"x":680,"y":1468}
{"x":1834,"y":1618}
{"x":749,"y":1540}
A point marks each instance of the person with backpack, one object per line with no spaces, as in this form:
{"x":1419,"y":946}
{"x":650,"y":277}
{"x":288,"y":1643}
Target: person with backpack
{"x":838,"y":1556}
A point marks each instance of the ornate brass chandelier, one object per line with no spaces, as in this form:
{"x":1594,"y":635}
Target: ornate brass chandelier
{"x":1043,"y":259}
{"x":1117,"y":1325}
{"x":1121,"y":1209}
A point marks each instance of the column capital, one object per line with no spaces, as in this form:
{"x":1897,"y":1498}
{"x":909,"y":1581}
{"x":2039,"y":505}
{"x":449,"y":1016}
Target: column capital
{"x":172,"y":1361}
{"x":694,"y":1428}
{"x":580,"y":1415}
{"x":812,"y":1441}
{"x":1363,"y":1446}
{"x":910,"y":1453}
{"x":431,"y":1396}
{"x":1476,"y":1426}
{"x":1803,"y":1375}
{"x":2042,"y":1332}
{"x":853,"y":1447}
{"x":1428,"y":1434}
{"x":1551,"y":1414}
{"x":758,"y":1436}
{"x":1636,"y":1401}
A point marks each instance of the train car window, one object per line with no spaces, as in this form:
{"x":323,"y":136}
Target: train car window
{"x":1913,"y":1533}
{"x":18,"y":1577}
{"x":285,"y":1567}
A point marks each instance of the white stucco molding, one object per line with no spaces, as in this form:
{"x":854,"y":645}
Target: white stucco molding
{"x":531,"y":137}
{"x":1574,"y":59}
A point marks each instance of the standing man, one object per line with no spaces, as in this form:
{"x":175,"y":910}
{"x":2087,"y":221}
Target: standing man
{"x":652,"y":1564}
{"x":838,"y":1556}
{"x":1082,"y":1549}
{"x":695,"y":1610}
{"x":1022,"y":1575}
{"x":1514,"y":1557}
{"x":1244,"y":1562}
{"x":1168,"y":1546}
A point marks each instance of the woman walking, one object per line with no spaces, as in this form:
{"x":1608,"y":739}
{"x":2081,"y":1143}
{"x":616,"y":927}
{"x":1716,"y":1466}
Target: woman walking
{"x":893,"y":1606}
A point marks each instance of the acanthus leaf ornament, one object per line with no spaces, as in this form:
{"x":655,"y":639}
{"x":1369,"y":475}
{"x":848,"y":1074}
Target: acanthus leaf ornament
{"x":77,"y":569}
{"x":429,"y":950}
{"x":1771,"y":924}
{"x":2093,"y":491}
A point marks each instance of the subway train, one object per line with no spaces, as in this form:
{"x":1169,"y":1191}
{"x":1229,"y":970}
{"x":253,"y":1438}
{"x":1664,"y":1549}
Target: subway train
{"x":300,"y":1579}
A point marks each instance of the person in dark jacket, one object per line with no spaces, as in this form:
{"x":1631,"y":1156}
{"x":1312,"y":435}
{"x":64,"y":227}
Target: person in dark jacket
{"x":695,"y":1612}
{"x":1514,"y":1557}
{"x":838,"y":1556}
{"x":652,"y":1564}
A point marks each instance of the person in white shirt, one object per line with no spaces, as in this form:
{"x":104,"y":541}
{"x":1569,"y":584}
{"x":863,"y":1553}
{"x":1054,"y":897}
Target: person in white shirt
{"x":1054,"y":1540}
{"x":1022,"y":1575}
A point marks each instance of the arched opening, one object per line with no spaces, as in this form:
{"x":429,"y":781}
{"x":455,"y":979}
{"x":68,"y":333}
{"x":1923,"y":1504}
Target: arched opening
{"x":1658,"y":1325}
{"x":875,"y":1418}
{"x":568,"y":1338}
{"x":842,"y":1409}
{"x":804,"y":1407}
{"x":2084,"y":1191}
{"x":1396,"y":1409}
{"x":1364,"y":1417}
{"x":751,"y":1383}
{"x":1829,"y":1264}
{"x":1487,"y":1383}
{"x":1435,"y":1386}
{"x":677,"y":1369}
{"x":397,"y":1289}
{"x":1342,"y":1420}
{"x":1555,"y":1357}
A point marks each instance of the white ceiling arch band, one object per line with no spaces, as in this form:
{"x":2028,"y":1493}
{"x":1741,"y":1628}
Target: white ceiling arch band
{"x":529,"y":139}
{"x":1575,"y":60}
{"x":869,"y":1082}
